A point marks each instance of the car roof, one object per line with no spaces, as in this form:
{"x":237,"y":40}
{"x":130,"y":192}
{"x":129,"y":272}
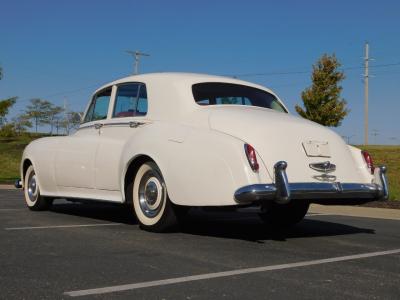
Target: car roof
{"x":171,"y":92}
{"x":188,"y":78}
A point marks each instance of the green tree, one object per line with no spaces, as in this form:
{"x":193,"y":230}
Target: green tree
{"x":38,"y":111}
{"x":322,"y":101}
{"x":5,"y":106}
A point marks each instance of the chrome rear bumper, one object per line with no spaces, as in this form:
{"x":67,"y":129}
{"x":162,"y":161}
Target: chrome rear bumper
{"x":320,"y":192}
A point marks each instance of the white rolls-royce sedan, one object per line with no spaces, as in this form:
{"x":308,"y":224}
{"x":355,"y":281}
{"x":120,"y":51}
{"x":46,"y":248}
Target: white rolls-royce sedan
{"x":165,"y":142}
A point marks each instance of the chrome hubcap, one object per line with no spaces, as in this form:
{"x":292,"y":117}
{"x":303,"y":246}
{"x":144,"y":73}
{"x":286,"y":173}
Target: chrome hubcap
{"x":151,"y":194}
{"x":32,"y":188}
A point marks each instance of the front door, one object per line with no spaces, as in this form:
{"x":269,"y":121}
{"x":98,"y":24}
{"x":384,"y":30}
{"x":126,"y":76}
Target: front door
{"x":76,"y":157}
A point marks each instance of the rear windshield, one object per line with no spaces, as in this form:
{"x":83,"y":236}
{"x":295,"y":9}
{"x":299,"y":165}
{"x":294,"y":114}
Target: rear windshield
{"x":218,"y":93}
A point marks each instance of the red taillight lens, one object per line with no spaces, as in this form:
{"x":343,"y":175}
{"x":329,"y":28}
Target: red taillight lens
{"x":251,"y":157}
{"x":368,"y":160}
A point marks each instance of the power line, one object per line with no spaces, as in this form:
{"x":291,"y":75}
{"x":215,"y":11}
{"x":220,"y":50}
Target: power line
{"x":68,"y":92}
{"x":276,"y":73}
{"x":306,"y":72}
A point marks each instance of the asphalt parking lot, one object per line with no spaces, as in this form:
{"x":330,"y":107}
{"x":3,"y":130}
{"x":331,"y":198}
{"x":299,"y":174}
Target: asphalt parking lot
{"x":87,"y":251}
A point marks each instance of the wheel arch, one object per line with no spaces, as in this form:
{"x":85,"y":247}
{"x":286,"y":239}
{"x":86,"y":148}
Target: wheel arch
{"x":26,"y":163}
{"x":130,"y":171}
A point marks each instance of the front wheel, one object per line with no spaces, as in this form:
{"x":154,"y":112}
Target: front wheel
{"x":151,"y":204}
{"x":284,"y":215}
{"x":34,"y":200}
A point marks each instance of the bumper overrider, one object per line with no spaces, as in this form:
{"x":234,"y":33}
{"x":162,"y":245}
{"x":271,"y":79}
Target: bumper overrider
{"x":283,"y":191}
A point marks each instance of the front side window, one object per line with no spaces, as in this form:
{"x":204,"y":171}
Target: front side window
{"x":219,"y":93}
{"x":99,"y":107}
{"x":130,"y":101}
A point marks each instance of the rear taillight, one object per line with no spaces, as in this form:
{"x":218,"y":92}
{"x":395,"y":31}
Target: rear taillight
{"x":251,"y":157}
{"x":368,"y":160}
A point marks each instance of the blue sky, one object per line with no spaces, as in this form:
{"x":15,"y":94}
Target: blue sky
{"x":63,"y":50}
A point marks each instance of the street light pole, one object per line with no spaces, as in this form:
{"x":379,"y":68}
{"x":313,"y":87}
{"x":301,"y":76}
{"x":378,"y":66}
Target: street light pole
{"x":136,"y":55}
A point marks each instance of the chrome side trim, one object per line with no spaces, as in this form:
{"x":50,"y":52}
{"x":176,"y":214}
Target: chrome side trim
{"x":132,"y":124}
{"x":282,"y":191}
{"x":98,"y":125}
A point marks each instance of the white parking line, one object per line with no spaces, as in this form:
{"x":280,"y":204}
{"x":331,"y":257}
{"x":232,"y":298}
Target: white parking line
{"x":63,"y":226}
{"x":140,"y":285}
{"x":318,"y":214}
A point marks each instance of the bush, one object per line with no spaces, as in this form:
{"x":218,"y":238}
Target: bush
{"x":8,"y":130}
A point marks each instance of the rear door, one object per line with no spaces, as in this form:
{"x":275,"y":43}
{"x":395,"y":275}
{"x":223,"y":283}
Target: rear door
{"x":128,"y":116}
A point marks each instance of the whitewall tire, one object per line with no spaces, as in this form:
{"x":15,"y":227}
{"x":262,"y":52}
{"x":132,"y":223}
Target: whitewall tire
{"x":153,"y":209}
{"x":34,"y":200}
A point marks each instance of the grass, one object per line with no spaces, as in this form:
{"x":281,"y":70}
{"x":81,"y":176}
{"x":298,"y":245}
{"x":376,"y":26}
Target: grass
{"x":11,"y":152}
{"x":10,"y":156}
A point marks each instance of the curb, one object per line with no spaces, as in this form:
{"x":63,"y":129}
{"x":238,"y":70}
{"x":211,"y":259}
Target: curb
{"x":7,"y":187}
{"x":356,"y":211}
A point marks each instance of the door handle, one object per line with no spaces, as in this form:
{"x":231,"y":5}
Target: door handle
{"x":135,"y":124}
{"x":98,"y":125}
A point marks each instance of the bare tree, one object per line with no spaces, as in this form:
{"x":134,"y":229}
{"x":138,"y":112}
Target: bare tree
{"x":38,"y":111}
{"x":53,"y":116}
{"x":21,"y":123}
{"x":71,"y":121}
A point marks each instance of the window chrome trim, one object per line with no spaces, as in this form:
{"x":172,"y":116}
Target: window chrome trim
{"x":137,"y":98}
{"x":93,"y":99}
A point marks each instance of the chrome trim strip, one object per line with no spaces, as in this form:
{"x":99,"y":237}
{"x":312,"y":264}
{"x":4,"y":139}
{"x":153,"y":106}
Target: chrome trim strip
{"x":132,"y":124}
{"x":282,"y":191}
{"x":85,"y":127}
{"x":324,"y":167}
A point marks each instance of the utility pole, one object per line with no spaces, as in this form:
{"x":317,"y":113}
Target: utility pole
{"x":136,"y":54}
{"x":66,"y":118}
{"x":366,"y":77}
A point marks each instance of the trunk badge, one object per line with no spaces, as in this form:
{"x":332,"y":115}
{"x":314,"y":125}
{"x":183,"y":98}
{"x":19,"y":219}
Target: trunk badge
{"x":323,"y":167}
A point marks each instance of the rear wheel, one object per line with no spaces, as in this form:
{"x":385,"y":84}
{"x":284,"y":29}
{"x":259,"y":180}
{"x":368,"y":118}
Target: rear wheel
{"x":151,"y":204}
{"x":34,"y":200}
{"x":284,"y":215}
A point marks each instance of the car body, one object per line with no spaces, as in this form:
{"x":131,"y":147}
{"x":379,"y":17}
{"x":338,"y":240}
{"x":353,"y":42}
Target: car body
{"x":215,"y":141}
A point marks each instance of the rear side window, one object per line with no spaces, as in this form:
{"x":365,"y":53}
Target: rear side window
{"x":99,"y":107}
{"x":219,"y":93}
{"x":130,"y":101}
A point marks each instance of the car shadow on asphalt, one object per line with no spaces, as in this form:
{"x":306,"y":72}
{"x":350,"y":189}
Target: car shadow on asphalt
{"x":115,"y":213}
{"x":249,"y":227}
{"x":232,"y":225}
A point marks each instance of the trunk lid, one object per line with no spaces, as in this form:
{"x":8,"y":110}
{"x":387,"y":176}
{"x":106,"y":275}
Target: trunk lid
{"x":279,"y":136}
